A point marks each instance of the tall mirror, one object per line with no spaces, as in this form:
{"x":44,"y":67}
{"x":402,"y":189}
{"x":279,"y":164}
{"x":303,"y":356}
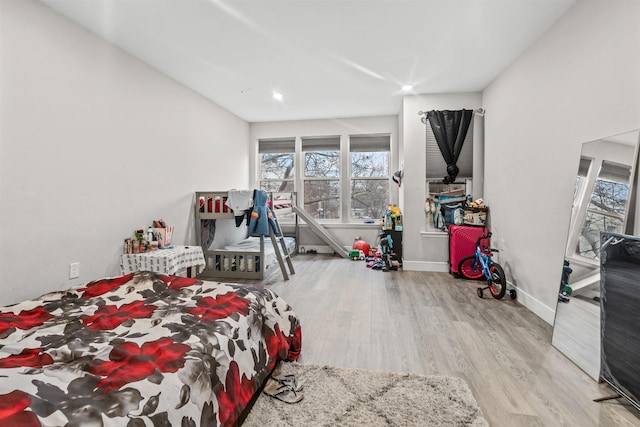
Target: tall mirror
{"x":604,"y":200}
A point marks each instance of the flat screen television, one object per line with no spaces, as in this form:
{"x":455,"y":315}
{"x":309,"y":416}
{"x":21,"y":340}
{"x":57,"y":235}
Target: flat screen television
{"x":620,"y":314}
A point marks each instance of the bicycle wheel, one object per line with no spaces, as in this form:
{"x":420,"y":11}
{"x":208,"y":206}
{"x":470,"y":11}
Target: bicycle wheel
{"x":470,"y":268}
{"x":498,"y":281}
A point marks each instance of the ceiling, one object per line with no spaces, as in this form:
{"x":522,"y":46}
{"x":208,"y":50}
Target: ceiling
{"x":328,"y":58}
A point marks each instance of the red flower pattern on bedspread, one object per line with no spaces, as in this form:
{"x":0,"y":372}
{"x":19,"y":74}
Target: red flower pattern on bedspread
{"x":177,"y":283}
{"x":12,"y":410}
{"x":29,"y":357}
{"x":238,"y":391}
{"x":141,"y":349}
{"x":295,"y":343}
{"x":108,"y":317}
{"x":210,"y":309}
{"x":100,"y":287}
{"x":129,"y":363}
{"x":26,"y":320}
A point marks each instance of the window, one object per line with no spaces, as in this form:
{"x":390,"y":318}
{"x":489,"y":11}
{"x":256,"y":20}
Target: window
{"x":436,"y":170}
{"x":277,"y":164}
{"x":369,"y":176}
{"x":336,"y":177}
{"x":436,"y":167}
{"x":322,"y":177}
{"x":606,"y":208}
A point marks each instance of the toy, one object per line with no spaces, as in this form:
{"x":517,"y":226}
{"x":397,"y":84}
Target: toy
{"x":565,"y":288}
{"x":356,"y":255}
{"x":391,"y":216}
{"x":386,"y":246}
{"x":361,"y":245}
{"x":394,"y":210}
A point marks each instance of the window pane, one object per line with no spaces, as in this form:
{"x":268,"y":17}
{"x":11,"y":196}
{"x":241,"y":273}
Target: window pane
{"x":276,"y":165}
{"x":609,"y":197}
{"x":369,"y":164}
{"x":322,"y":164}
{"x":369,"y":198}
{"x":322,"y":199}
{"x":277,"y":186}
{"x":589,"y":240}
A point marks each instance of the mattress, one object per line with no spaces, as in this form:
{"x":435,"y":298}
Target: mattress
{"x":252,"y":244}
{"x":141,"y":350}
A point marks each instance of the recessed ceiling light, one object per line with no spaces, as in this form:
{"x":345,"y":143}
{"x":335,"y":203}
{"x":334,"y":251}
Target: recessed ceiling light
{"x":277,"y":95}
{"x":407,"y":88}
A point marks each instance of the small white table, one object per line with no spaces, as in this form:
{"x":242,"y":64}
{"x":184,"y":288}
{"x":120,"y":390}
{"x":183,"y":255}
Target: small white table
{"x":164,"y":261}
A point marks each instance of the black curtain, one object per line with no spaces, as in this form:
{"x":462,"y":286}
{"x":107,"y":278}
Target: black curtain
{"x":450,"y":128}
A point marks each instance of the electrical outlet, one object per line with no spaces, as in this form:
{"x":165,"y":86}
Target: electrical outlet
{"x":74,"y":270}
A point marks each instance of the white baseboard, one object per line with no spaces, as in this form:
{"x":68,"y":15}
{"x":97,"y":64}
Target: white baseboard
{"x":539,"y":309}
{"x":441,"y":267}
{"x":321,"y":249}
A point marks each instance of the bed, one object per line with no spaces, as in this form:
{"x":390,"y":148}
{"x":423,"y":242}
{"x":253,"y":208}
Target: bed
{"x":141,"y":350}
{"x":233,"y":254}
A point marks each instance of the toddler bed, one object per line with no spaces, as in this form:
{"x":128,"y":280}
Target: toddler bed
{"x":228,"y":251}
{"x":141,"y":350}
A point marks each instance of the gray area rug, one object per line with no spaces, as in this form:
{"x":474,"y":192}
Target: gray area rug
{"x":351,"y":397}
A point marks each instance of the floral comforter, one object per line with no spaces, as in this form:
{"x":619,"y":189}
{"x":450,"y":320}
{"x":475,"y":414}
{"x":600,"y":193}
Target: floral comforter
{"x":141,"y":350}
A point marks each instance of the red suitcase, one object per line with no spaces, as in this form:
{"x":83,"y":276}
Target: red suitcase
{"x":462,"y":242}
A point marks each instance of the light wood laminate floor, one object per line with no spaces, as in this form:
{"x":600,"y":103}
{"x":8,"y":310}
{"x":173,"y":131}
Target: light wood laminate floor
{"x":433,"y":324}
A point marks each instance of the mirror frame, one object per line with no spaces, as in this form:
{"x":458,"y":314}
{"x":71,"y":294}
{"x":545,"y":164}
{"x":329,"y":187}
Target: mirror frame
{"x":631,"y":137}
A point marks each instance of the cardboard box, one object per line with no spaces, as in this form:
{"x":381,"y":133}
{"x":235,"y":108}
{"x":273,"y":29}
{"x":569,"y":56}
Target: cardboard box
{"x":475,"y":216}
{"x":163,"y":236}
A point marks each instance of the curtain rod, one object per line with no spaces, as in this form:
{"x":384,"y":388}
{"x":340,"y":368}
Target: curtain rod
{"x":479,"y":111}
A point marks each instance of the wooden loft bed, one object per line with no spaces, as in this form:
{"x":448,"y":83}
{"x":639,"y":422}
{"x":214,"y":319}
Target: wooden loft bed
{"x":247,"y":258}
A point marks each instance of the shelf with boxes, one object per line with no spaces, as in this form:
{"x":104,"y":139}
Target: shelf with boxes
{"x":456,"y":209}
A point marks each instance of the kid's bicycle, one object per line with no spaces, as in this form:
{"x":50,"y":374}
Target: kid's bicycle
{"x":481,"y":264}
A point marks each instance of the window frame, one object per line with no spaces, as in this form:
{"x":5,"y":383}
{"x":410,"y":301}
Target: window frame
{"x":276,"y":146}
{"x":586,"y":180}
{"x":436,"y":169}
{"x":342,"y":144}
{"x":328,"y":144}
{"x":377,"y":145}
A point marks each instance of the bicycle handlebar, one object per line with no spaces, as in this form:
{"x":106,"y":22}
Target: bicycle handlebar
{"x":486,"y":235}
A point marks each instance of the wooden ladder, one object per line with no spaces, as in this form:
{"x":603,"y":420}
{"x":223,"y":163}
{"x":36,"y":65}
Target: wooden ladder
{"x":280,"y":248}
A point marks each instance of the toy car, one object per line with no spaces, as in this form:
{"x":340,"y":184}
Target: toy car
{"x":356,"y":255}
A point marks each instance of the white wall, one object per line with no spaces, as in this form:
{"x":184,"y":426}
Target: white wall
{"x":424,"y":251}
{"x":94,"y":144}
{"x":579,"y":83}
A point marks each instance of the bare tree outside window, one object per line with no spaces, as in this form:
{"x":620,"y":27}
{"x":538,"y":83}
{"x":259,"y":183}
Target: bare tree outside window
{"x":277,"y":172}
{"x":277,"y":175}
{"x":322,"y":184}
{"x":369,"y":184}
{"x":606,"y":210}
{"x":320,"y":178}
